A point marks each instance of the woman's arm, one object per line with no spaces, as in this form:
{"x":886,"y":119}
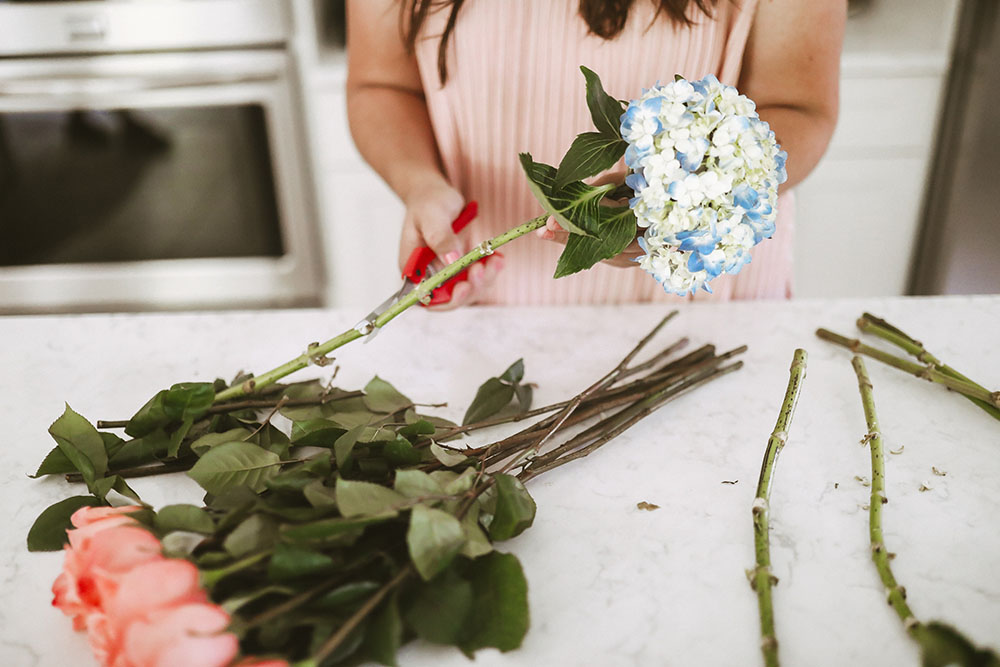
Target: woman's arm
{"x":791,"y":69}
{"x":392,"y":130}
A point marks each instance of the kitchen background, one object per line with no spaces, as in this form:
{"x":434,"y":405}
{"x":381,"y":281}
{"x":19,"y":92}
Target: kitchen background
{"x":168,"y":154}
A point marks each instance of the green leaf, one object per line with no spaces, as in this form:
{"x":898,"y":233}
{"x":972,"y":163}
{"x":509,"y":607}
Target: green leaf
{"x":524,"y":393}
{"x":346,"y":595}
{"x":491,"y":397}
{"x":82,"y":444}
{"x":48,"y":533}
{"x":147,"y":449}
{"x":150,"y":417}
{"x":575,"y":206}
{"x":448,"y":457}
{"x":400,"y":452}
{"x":54,"y":463}
{"x":210,"y":440}
{"x":942,"y":645}
{"x":292,"y":562}
{"x":416,"y":484}
{"x":515,"y":508}
{"x":439,"y":609}
{"x":366,"y":499}
{"x":121,"y":486}
{"x":177,"y":437}
{"x":616,"y":229}
{"x":319,"y":495}
{"x":343,"y":445}
{"x":499,"y":614}
{"x":189,"y":518}
{"x":232,"y":465}
{"x":605,"y":110}
{"x":380,"y":396}
{"x":232,"y":604}
{"x":417,"y":428}
{"x":590,"y":154}
{"x":256,"y":533}
{"x":433,"y":539}
{"x":476,"y":542}
{"x":188,"y":400}
{"x":323,"y":432}
{"x":333,"y":530}
{"x":385,"y":633}
{"x":514,"y":372}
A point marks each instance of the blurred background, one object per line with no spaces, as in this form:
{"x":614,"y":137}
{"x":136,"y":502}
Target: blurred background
{"x":194,"y":154}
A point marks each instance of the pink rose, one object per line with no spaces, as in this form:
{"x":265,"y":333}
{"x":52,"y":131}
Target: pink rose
{"x":104,"y":546}
{"x":190,"y":634}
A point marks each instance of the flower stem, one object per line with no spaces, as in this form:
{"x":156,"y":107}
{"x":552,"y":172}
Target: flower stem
{"x":419,"y":293}
{"x":964,"y":387}
{"x":877,"y":326}
{"x":895,"y":594}
{"x":761,"y":578}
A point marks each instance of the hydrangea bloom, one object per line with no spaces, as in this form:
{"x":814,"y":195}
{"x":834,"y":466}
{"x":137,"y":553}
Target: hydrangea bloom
{"x":705,"y":171}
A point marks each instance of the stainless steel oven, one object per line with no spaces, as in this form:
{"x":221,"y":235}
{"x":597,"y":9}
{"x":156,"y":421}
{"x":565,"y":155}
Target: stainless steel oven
{"x":153,"y":155}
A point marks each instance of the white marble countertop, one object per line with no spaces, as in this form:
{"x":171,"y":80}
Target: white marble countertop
{"x":609,"y":584}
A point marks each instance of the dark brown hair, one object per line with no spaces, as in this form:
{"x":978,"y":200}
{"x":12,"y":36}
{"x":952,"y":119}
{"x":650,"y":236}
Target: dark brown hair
{"x":605,"y":18}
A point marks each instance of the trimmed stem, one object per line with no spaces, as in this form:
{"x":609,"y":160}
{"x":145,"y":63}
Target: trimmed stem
{"x":895,"y":594}
{"x":761,"y":578}
{"x":877,"y":326}
{"x":419,"y":293}
{"x":961,"y":386}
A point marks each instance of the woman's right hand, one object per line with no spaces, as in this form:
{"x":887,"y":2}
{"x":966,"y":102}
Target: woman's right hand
{"x":430,"y":210}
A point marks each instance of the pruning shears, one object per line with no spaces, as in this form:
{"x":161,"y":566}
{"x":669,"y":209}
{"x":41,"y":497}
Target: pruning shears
{"x":418,"y":267}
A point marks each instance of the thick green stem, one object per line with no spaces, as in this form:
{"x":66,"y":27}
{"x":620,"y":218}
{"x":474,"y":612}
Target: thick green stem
{"x":877,"y":326}
{"x":420,"y":293}
{"x":895,"y":594}
{"x":761,"y":578}
{"x":961,"y":386}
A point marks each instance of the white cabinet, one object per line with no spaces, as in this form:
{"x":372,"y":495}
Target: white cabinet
{"x":858,"y":213}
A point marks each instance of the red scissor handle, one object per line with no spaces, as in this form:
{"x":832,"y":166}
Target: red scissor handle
{"x":415,"y":269}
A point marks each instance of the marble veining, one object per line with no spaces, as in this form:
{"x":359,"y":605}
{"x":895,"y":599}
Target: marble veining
{"x":609,"y":584}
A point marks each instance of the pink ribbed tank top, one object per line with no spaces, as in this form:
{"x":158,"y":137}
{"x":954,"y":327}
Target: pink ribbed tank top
{"x":514,"y":85}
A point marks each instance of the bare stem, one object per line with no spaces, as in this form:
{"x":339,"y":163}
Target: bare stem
{"x":761,"y":578}
{"x":895,"y":594}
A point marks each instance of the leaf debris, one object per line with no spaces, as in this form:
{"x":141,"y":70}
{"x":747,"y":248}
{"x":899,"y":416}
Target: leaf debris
{"x":649,"y":507}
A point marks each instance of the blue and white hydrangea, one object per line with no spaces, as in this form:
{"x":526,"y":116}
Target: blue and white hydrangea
{"x":705,"y":171}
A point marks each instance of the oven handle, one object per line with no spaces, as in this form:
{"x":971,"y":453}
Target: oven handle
{"x":87,"y":86}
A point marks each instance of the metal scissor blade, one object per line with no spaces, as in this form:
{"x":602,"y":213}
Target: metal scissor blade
{"x":367,"y":325}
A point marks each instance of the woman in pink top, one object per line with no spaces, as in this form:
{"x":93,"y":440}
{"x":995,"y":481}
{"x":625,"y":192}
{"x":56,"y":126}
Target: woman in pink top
{"x":443,"y":95}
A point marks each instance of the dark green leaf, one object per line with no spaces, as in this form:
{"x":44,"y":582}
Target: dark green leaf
{"x":590,"y":154}
{"x":346,"y":595}
{"x":121,"y":486}
{"x":188,"y":400}
{"x":54,"y":463}
{"x":514,"y":373}
{"x":605,"y":110}
{"x":616,"y":229}
{"x":366,"y":499}
{"x":272,"y":439}
{"x":439,"y":609}
{"x":385,"y":633}
{"x":433,"y":539}
{"x":141,"y":451}
{"x":177,"y":437}
{"x":82,"y":445}
{"x":48,"y":533}
{"x":343,"y":445}
{"x":523,"y":392}
{"x":112,"y":444}
{"x":380,"y":396}
{"x":232,"y":604}
{"x":150,"y":417}
{"x":515,"y":508}
{"x":575,"y":206}
{"x":292,"y":562}
{"x":400,"y":452}
{"x":257,"y":533}
{"x":416,"y":428}
{"x":189,"y":518}
{"x":333,"y":530}
{"x":290,"y":481}
{"x":232,"y":465}
{"x":491,"y":397}
{"x":499,"y":614}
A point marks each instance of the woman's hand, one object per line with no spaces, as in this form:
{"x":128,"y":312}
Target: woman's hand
{"x":430,"y":210}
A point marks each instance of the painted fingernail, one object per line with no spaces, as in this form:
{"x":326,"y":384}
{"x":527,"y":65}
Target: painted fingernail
{"x":451,"y":257}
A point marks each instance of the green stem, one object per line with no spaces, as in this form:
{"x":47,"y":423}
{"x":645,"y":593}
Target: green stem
{"x":963,"y":387}
{"x":419,"y":293}
{"x":877,"y":326}
{"x":895,"y":594}
{"x":761,"y":578}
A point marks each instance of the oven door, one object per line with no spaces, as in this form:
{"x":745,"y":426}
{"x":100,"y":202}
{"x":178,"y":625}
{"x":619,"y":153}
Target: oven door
{"x":153,"y":181}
